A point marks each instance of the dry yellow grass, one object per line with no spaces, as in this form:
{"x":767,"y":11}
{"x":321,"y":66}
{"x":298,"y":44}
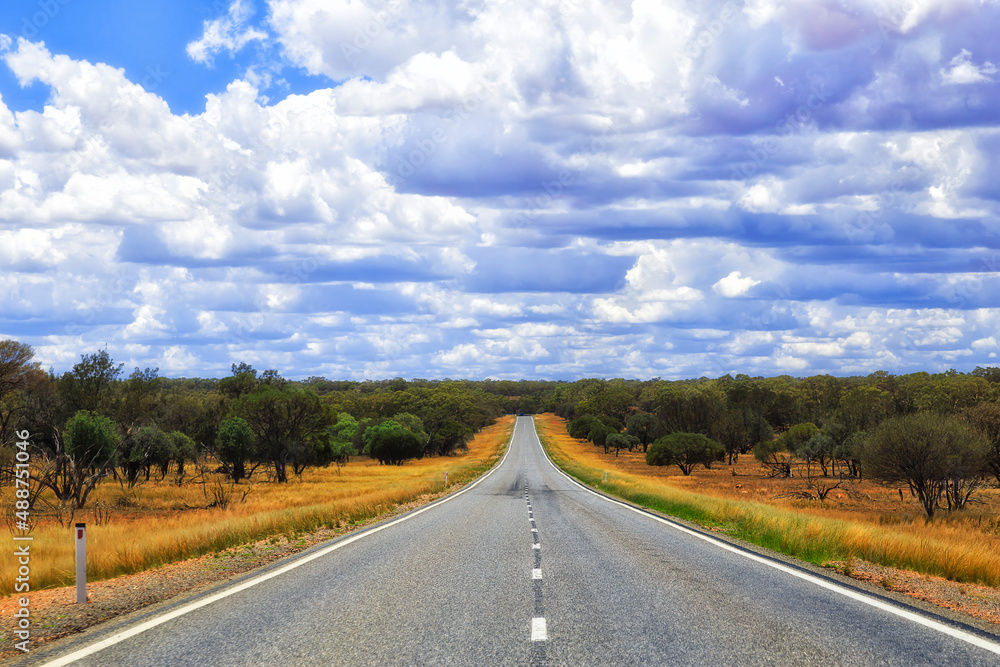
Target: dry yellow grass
{"x":961,"y":548}
{"x":163,"y":528}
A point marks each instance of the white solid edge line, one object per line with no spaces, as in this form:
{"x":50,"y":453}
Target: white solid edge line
{"x":169,"y":616}
{"x":538,"y":631}
{"x":970,"y":638}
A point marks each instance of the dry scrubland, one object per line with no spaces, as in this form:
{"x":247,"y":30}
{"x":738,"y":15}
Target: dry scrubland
{"x":862,"y":520}
{"x":160,"y":522}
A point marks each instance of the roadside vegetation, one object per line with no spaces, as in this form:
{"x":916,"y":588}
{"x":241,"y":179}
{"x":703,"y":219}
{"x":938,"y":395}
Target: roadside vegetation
{"x":159,"y":522}
{"x":900,"y":470}
{"x":165,"y":469}
{"x":864,"y":520}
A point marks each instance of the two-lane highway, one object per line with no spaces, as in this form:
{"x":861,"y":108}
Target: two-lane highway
{"x":528,"y":567}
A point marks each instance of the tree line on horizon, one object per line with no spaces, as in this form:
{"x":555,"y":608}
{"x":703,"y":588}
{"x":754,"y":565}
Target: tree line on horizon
{"x":937,"y":433}
{"x":95,"y":422}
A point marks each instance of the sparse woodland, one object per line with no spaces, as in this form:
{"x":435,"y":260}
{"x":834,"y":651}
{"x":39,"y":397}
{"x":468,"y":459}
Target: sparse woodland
{"x":101,"y":437}
{"x":938,"y":435}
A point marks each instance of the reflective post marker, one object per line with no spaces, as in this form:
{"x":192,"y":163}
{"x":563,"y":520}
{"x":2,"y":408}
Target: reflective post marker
{"x":81,"y":563}
{"x":605,"y":475}
{"x":446,"y":478}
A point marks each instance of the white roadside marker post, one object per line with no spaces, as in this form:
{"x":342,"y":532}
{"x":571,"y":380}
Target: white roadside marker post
{"x":81,"y":563}
{"x":446,"y":478}
{"x":605,"y":475}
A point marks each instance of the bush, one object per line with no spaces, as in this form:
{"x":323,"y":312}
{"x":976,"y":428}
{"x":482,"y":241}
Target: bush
{"x":599,"y":433}
{"x":90,"y":439}
{"x":685,"y":450}
{"x":235,"y":445}
{"x":937,"y":456}
{"x":393,"y":445}
{"x":773,"y":455}
{"x":618,"y":442}
{"x":580,"y":427}
{"x":184,"y":450}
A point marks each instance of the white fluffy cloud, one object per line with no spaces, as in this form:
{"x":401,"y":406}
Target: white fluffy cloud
{"x":229,"y":33}
{"x":692,"y":188}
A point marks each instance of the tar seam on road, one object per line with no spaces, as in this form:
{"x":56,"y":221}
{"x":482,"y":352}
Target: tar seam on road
{"x":204,"y":602}
{"x":539,"y":632}
{"x":832,"y":586}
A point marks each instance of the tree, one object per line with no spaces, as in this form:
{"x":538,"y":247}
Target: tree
{"x":599,"y":433}
{"x":616,"y":441}
{"x":241,"y":382}
{"x":773,"y":455}
{"x":730,"y":431}
{"x":147,"y":447}
{"x":16,"y":371}
{"x":90,"y":386}
{"x":795,"y":438}
{"x":140,"y":394}
{"x":413,"y":424}
{"x":392,"y":444}
{"x":819,"y":448}
{"x":685,"y":450}
{"x":235,"y":446}
{"x":185,"y":450}
{"x":290,"y":424}
{"x":986,"y":418}
{"x":644,"y":426}
{"x":87,"y":452}
{"x":342,"y":435}
{"x":580,"y":427}
{"x":938,"y":456}
{"x":864,"y":408}
{"x":688,"y":408}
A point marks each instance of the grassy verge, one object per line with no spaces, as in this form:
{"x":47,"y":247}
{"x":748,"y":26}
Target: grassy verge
{"x":163,"y":523}
{"x":954,"y":551}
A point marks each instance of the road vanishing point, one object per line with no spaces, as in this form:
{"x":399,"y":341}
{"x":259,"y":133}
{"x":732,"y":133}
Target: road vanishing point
{"x":527,"y":567}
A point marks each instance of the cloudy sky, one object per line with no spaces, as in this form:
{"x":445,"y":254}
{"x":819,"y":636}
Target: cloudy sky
{"x":502,"y":188}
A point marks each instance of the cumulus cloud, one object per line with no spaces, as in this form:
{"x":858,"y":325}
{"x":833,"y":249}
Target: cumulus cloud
{"x":735,"y":284}
{"x":228,"y":33}
{"x":521,"y":188}
{"x":963,"y":71}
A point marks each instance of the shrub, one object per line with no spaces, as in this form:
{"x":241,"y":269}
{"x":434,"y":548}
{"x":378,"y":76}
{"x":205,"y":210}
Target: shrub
{"x":392,"y":444}
{"x":685,"y":450}
{"x":580,"y":427}
{"x":235,"y":445}
{"x":599,"y":433}
{"x":937,"y":456}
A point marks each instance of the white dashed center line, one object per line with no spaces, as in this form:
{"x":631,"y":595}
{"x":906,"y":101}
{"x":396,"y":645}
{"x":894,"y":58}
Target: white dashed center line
{"x":538,"y":633}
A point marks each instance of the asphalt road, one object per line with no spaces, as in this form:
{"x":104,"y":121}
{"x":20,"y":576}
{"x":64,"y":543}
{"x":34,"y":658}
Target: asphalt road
{"x":468,"y":581}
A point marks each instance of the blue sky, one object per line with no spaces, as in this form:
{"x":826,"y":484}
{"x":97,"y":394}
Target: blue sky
{"x":553,"y":189}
